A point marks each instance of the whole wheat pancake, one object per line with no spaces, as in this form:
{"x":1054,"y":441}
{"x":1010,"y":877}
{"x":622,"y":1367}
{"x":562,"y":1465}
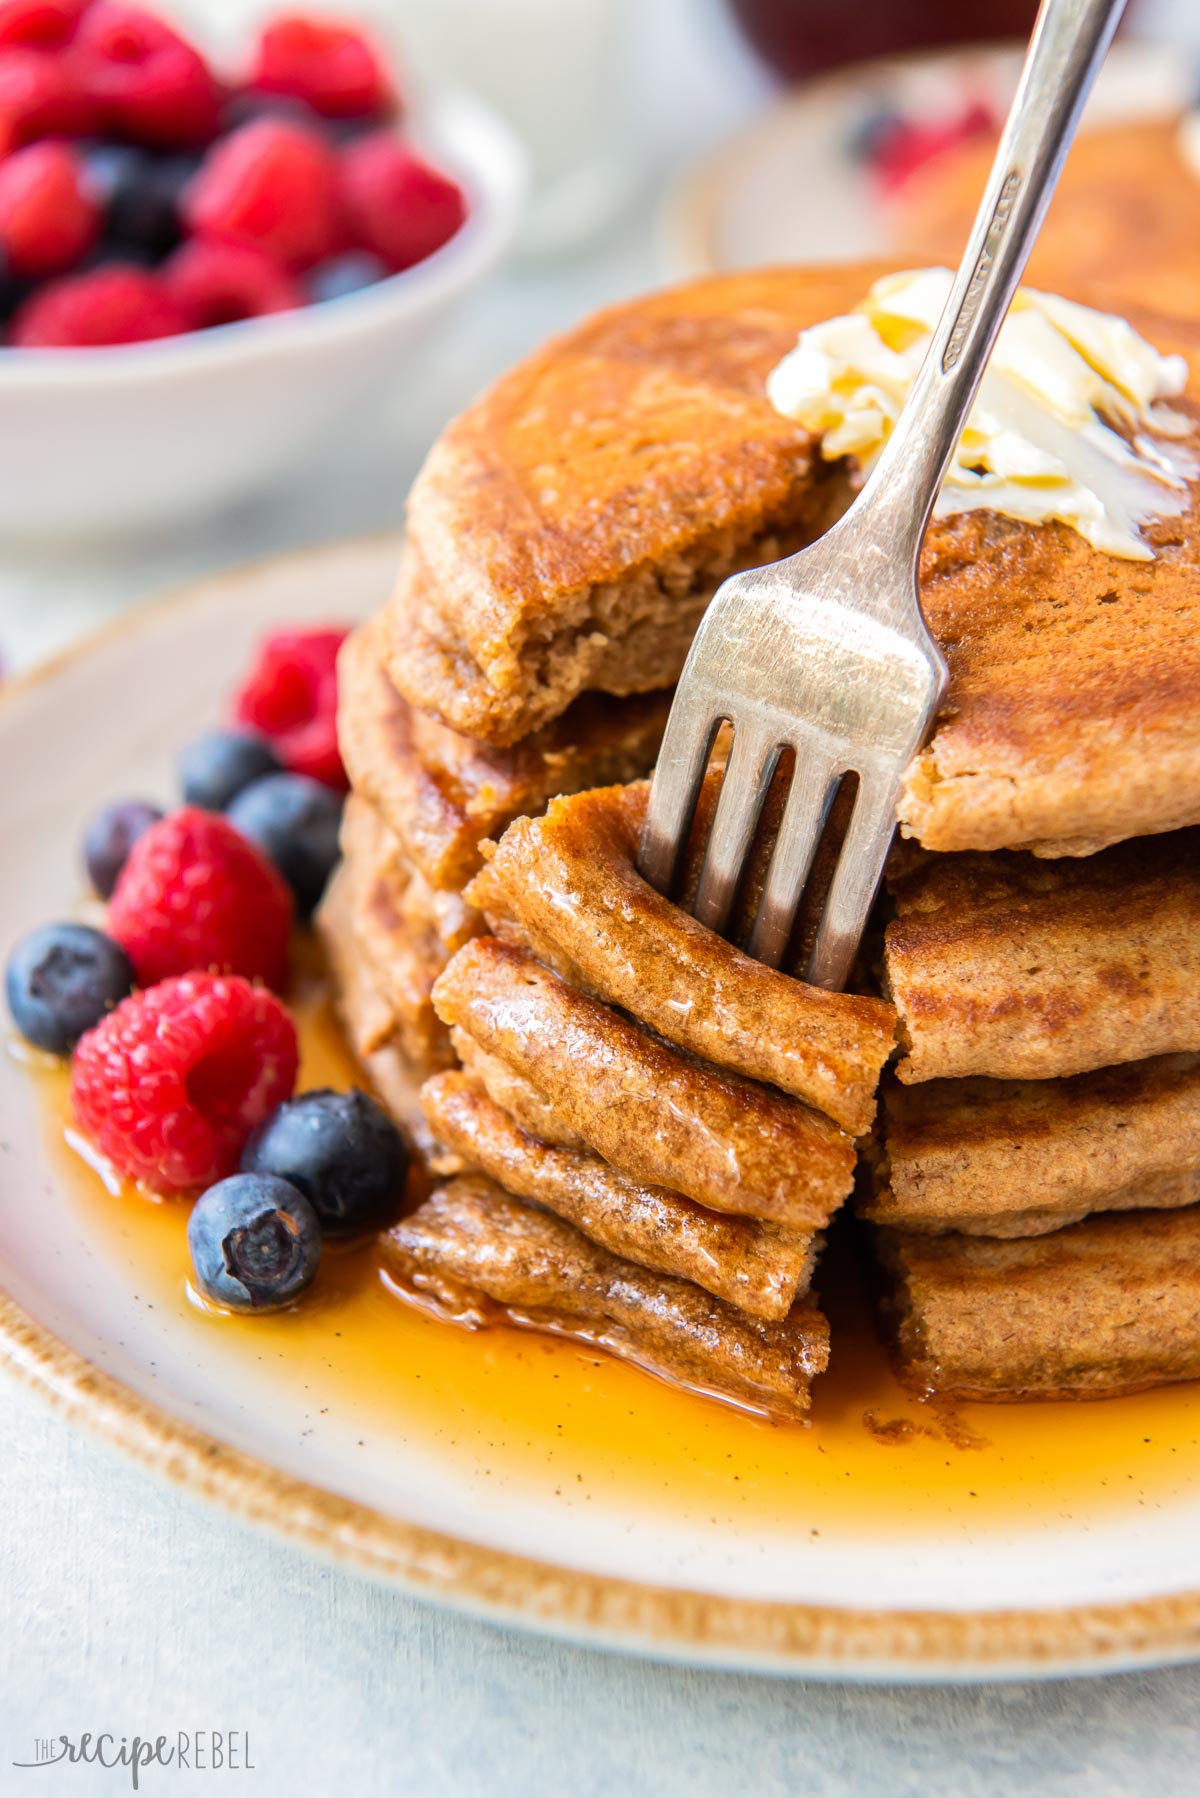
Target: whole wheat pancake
{"x":1107,"y":1306}
{"x":1123,"y":228}
{"x":1019,"y":1157}
{"x":1012,"y":967}
{"x":513,"y":1094}
{"x":376,"y":853}
{"x":756,"y":1267}
{"x":663,"y":1118}
{"x":569,"y":527}
{"x":400,"y":954}
{"x":571,"y":879}
{"x":367,"y":1020}
{"x":476,"y":1255}
{"x":442,"y":794}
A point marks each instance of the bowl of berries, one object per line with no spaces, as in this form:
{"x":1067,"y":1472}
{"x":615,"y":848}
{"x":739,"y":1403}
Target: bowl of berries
{"x":204,"y":272}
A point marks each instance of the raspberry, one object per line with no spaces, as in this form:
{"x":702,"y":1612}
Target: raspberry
{"x":219,"y":283}
{"x":114,"y":304}
{"x":271,"y":185}
{"x":171,"y":1085}
{"x":149,"y":84}
{"x":43,"y":24}
{"x":195,"y":894}
{"x":394,"y":203}
{"x":325,"y":63}
{"x":290,"y":695}
{"x":47,"y":218}
{"x":40,"y":97}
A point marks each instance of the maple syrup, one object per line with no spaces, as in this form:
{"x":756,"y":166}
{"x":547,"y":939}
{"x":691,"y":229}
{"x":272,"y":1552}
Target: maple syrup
{"x":523,"y":1409}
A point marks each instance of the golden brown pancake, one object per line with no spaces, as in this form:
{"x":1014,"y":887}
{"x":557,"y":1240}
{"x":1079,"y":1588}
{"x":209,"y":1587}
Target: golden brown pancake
{"x":400,"y":954}
{"x":756,"y":1267}
{"x":1017,"y":968}
{"x":375,"y":852}
{"x":569,"y":527}
{"x":663,"y":1118}
{"x":1019,"y":1157}
{"x":442,"y":794}
{"x":1123,"y":228}
{"x":367,"y":1020}
{"x":571,"y":879}
{"x":474,"y":1254}
{"x":1108,"y":1306}
{"x":513,"y":1094}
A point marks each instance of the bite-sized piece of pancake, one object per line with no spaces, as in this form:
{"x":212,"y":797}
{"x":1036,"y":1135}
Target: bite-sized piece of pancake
{"x":443,"y":794}
{"x":367,"y":1020}
{"x":569,"y":527}
{"x":1123,"y":228}
{"x":476,"y":1255}
{"x":571,"y":879}
{"x":1107,"y":1306}
{"x":660,"y":1116}
{"x":401,"y":957}
{"x":759,"y":1268}
{"x":513,"y":1094}
{"x":1017,"y":968}
{"x":1019,"y":1157}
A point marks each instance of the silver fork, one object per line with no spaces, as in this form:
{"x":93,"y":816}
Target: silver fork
{"x":826,"y":653}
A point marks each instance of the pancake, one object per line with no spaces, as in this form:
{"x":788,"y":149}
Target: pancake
{"x":368,"y":844}
{"x":726,"y":1142}
{"x":1015,"y":968}
{"x":1019,"y":1157}
{"x":367,"y":1020}
{"x":442,"y":794}
{"x":571,"y":879}
{"x":1108,"y":1306}
{"x":758,"y":1268}
{"x":1123,"y":228}
{"x":569,"y":527}
{"x":399,"y":957}
{"x":512,"y":1094}
{"x":474,"y":1254}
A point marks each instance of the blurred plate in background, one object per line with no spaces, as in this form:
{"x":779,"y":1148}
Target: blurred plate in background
{"x":805,"y":183}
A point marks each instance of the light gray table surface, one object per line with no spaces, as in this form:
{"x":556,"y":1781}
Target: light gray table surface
{"x":128,"y":1607}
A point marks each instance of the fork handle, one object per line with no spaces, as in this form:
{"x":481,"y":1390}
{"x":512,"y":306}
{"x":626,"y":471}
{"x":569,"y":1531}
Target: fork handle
{"x":1068,"y":45}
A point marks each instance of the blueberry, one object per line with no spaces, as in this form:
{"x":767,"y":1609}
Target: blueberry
{"x":246,"y":107}
{"x":214,"y":768}
{"x":109,"y":838}
{"x":346,"y":274}
{"x":61,"y":979}
{"x":341,"y":1150}
{"x":254,"y":1241}
{"x":142,"y":197}
{"x":13,"y":289}
{"x":295,"y":821}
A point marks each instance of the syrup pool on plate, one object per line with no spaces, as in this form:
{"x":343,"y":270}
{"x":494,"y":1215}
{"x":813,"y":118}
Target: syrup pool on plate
{"x":527,"y":1413}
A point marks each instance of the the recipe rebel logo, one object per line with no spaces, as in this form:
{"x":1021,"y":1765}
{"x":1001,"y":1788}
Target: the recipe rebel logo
{"x":199,"y":1751}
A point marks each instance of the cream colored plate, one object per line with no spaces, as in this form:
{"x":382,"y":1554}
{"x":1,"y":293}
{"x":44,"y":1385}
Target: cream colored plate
{"x":511,"y":1476}
{"x":791,"y":188}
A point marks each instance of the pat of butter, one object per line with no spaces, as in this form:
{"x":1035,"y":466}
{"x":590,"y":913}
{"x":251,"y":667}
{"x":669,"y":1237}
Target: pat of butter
{"x":1069,"y":422}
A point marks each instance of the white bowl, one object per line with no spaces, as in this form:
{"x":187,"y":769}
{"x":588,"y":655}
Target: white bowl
{"x":98,"y":441}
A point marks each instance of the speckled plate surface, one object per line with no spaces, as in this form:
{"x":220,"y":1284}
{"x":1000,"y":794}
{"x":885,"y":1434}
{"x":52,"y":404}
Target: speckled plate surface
{"x":505,"y":1474}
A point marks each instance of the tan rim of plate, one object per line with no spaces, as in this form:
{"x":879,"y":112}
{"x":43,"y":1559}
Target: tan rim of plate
{"x":591,"y":1608}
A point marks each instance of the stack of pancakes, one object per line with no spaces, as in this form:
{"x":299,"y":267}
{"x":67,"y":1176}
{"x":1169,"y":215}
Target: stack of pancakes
{"x":646,"y":1132}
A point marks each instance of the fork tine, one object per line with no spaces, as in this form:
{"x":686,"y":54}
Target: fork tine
{"x":687,"y":743}
{"x":743,"y":792}
{"x":855,"y":882}
{"x":800,"y":829}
